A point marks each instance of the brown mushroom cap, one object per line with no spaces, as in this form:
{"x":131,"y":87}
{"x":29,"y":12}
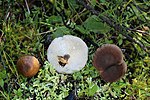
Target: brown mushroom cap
{"x":28,"y":65}
{"x":108,"y":60}
{"x":114,"y":73}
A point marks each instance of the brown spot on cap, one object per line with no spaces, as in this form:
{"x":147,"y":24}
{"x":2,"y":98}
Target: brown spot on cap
{"x":108,"y":60}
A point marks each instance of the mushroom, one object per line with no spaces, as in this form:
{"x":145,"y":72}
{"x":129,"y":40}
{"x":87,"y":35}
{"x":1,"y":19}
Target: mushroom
{"x":67,"y":54}
{"x":108,"y":60}
{"x":28,"y":66}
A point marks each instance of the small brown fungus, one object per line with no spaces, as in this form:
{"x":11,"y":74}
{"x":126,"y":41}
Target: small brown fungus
{"x":28,"y":66}
{"x":108,"y":60}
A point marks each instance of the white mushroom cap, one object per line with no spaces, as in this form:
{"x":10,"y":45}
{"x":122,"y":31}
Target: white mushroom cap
{"x":68,"y":45}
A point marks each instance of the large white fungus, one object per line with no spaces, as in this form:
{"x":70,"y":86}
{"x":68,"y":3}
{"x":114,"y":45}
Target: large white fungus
{"x":67,"y":54}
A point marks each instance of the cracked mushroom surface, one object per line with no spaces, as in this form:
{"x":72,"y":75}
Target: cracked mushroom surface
{"x":67,"y":54}
{"x":108,"y":60}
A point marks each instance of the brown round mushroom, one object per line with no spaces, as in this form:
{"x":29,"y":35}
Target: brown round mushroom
{"x":28,"y":65}
{"x":108,"y":60}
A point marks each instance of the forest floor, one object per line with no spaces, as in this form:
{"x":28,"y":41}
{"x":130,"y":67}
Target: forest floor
{"x":27,"y":27}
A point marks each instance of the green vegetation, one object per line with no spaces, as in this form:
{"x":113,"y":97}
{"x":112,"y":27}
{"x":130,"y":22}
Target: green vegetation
{"x":28,"y":26}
